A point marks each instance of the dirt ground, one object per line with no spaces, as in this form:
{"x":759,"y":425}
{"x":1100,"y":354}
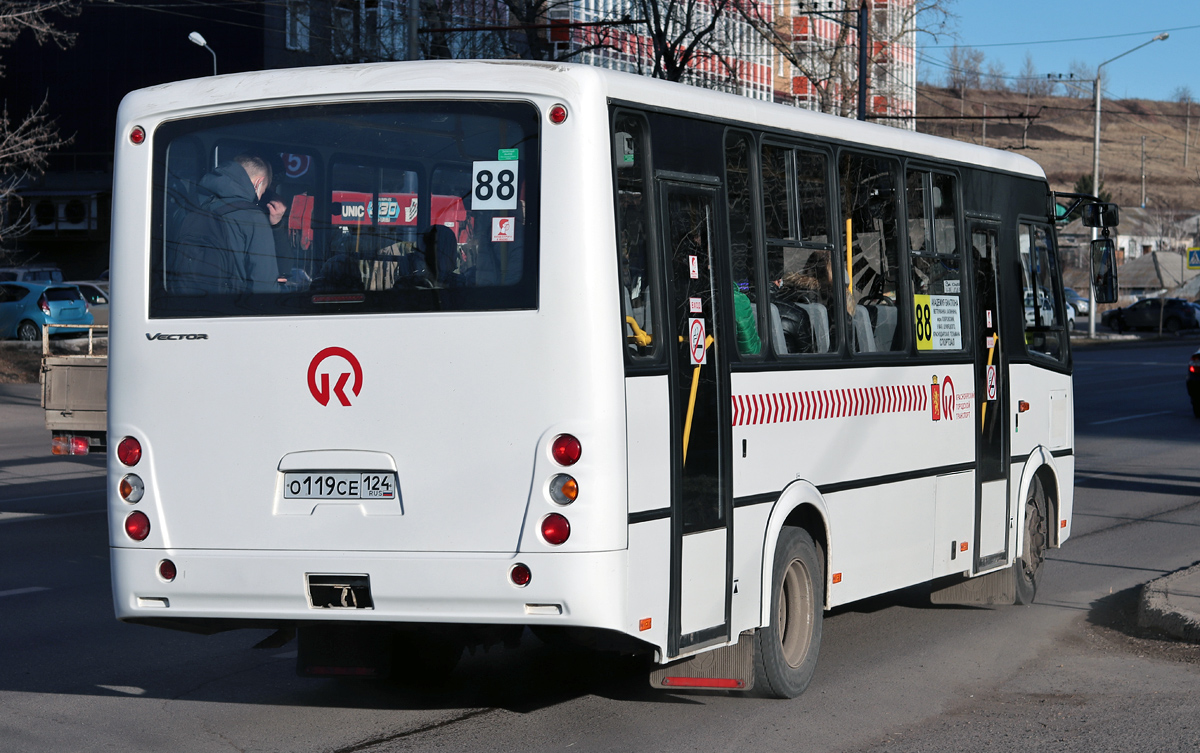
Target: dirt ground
{"x":1060,"y":133}
{"x":20,"y":362}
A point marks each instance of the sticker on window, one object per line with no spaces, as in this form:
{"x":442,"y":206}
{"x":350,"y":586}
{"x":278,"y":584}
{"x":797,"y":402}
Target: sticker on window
{"x":937,"y":322}
{"x":503,"y":229}
{"x":494,"y":185}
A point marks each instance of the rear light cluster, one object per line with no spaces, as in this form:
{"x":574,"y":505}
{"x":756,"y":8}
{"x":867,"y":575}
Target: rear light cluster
{"x":1194,"y":366}
{"x":69,"y":444}
{"x":132,"y":489}
{"x":563,"y":489}
{"x":44,"y":304}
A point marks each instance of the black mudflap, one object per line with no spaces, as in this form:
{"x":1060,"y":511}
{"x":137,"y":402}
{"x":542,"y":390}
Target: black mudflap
{"x":725,"y":668}
{"x":999,"y":587}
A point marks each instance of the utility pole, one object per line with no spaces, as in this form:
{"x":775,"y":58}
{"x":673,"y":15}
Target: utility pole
{"x":985,"y":124}
{"x":414,"y":20}
{"x":1187,"y":132}
{"x":864,"y":29}
{"x":1143,"y":172}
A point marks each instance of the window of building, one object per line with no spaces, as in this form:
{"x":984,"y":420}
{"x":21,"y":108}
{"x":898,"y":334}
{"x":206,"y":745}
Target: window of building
{"x":297,"y":25}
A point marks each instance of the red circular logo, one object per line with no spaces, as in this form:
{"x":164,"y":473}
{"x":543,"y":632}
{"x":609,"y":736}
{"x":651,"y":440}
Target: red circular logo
{"x":321,"y":390}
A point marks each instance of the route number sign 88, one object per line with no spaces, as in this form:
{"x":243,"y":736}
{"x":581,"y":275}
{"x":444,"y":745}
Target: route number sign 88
{"x":494,"y":185}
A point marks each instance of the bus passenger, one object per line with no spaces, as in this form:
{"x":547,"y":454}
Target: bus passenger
{"x":236,"y":187}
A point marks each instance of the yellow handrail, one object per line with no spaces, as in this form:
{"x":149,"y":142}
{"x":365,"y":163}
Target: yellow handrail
{"x":640,"y":336}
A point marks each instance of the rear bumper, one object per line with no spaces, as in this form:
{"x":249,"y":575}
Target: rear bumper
{"x":270,"y":587}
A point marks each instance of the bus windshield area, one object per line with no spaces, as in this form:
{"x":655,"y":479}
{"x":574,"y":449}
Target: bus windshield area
{"x":381,"y":207}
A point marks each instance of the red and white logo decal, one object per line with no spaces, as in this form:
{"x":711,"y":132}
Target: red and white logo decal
{"x":342,"y":358}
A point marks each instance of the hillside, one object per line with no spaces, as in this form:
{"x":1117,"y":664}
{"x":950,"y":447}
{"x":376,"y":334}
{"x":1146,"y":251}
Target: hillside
{"x":1060,"y":139}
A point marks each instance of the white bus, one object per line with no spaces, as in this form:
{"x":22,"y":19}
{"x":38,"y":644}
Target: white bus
{"x":555,"y":347}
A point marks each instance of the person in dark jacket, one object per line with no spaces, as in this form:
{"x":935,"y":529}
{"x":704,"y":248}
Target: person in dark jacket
{"x":242,"y":181}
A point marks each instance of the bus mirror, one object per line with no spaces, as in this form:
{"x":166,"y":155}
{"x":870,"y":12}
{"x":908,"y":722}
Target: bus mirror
{"x":1104,"y":270}
{"x":1101,"y":215}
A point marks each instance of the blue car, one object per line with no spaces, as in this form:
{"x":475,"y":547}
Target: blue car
{"x":26,"y":307}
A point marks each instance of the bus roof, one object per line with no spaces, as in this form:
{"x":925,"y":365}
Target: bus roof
{"x":568,"y":80}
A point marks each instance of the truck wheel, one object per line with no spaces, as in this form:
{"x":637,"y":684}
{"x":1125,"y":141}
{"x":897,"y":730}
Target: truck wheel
{"x":785,"y":652}
{"x":28,"y":331}
{"x":1033,"y":546}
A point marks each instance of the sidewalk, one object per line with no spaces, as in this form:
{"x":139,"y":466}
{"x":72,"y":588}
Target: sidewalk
{"x":1172,"y":604}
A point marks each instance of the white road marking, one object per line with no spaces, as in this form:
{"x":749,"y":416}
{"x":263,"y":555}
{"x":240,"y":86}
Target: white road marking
{"x":19,"y":591}
{"x":7,"y":516}
{"x":126,"y":689}
{"x":1130,"y":418}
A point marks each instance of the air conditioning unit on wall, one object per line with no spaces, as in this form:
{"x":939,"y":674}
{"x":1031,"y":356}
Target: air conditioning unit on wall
{"x":63,"y":213}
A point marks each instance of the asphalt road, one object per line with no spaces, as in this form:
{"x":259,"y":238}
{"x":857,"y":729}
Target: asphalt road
{"x":1071,"y":672}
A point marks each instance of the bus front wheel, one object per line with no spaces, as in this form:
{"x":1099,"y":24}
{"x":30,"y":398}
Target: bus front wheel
{"x":1033,"y":546}
{"x":785,"y":652}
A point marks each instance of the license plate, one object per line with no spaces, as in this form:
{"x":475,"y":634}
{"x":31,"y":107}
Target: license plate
{"x":339,"y":485}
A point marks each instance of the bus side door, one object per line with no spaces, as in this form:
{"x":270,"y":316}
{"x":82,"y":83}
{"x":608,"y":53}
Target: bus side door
{"x":701,"y":515}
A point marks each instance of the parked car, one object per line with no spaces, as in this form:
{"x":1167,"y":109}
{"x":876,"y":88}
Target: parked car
{"x":1193,"y":383}
{"x":1046,"y":309}
{"x":1176,"y":314}
{"x":1078,"y":302}
{"x":45,"y":274}
{"x":96,"y":294}
{"x":27,"y":307}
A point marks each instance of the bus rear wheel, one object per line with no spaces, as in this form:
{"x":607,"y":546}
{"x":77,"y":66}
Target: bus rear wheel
{"x":785,"y":652}
{"x":1033,"y":546}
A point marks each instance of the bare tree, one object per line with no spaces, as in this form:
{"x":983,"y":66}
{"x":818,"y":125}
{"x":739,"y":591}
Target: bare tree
{"x":996,"y":77}
{"x":1034,"y":84}
{"x":687,"y":36}
{"x":830,"y":66}
{"x":26,"y":140}
{"x":964,"y":69}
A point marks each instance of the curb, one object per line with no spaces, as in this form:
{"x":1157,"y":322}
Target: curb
{"x":1155,"y":609}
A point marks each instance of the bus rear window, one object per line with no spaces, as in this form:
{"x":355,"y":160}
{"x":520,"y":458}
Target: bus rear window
{"x":362,"y":208}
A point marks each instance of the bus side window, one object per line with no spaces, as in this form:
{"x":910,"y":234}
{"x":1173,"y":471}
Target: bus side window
{"x":635,"y":264}
{"x":803,"y":309}
{"x":871,"y":255}
{"x":742,"y":248}
{"x":935,"y":261}
{"x":1044,"y":332}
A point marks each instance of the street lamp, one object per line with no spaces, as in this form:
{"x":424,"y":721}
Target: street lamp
{"x":1096,"y":167}
{"x":197,"y":38}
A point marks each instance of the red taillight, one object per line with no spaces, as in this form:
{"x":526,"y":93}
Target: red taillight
{"x":129,"y":451}
{"x":69,"y":444}
{"x":137,"y":526}
{"x":43,"y":304}
{"x":520,"y":575}
{"x":558,"y":115}
{"x":555,"y":529}
{"x":166,"y":570}
{"x":137,"y":135}
{"x":566,"y":449}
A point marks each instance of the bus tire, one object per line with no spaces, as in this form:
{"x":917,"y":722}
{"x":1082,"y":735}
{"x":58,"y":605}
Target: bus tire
{"x":785,"y":651}
{"x":1028,"y":566}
